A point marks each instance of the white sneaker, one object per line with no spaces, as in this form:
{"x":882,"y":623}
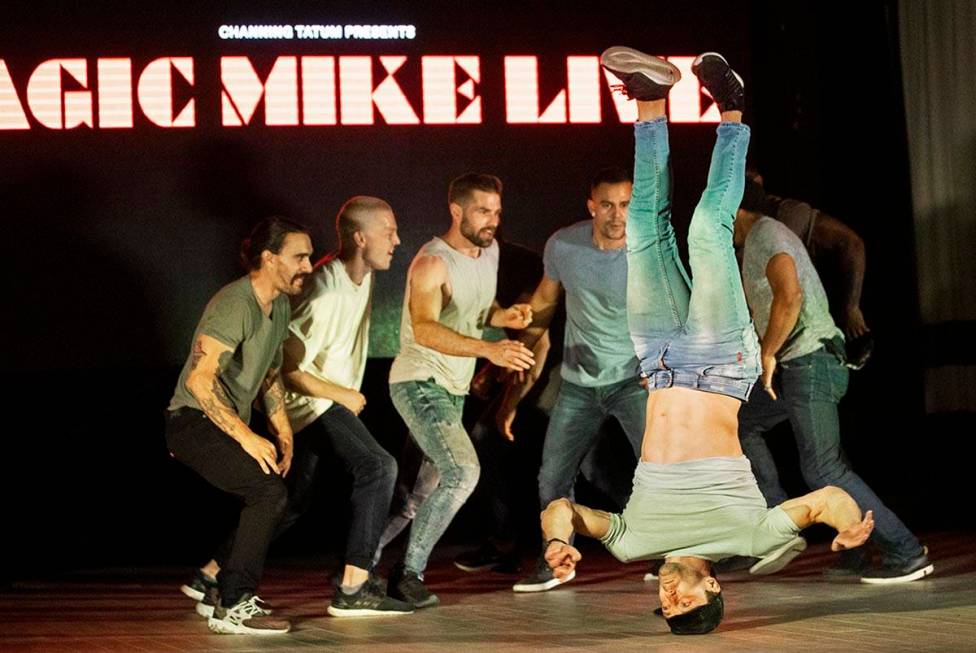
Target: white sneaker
{"x":246,"y":617}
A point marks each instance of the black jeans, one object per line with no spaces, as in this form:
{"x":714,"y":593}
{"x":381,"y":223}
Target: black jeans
{"x":197,"y":443}
{"x":339,"y":433}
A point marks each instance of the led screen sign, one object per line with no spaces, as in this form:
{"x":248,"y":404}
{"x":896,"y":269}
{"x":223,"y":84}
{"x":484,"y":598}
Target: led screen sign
{"x":322,"y":90}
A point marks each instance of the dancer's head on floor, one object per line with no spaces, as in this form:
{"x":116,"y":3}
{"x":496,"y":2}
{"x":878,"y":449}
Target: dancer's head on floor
{"x":691,"y":599}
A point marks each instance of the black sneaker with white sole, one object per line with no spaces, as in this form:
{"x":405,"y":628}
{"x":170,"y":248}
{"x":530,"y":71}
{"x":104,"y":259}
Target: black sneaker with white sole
{"x":541,"y":580}
{"x":913,"y":569}
{"x":724,"y":84}
{"x":645,"y":77}
{"x":197,"y":587}
{"x":367,"y":602}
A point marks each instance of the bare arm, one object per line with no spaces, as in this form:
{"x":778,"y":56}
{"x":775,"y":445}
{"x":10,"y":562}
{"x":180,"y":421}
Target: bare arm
{"x":210,"y":356}
{"x":544,"y":302}
{"x":519,"y":385}
{"x":783,"y":313}
{"x":833,"y":236}
{"x":834,"y":507}
{"x":559,"y":520}
{"x":428,"y":277}
{"x":273,"y":396}
{"x":311,"y":385}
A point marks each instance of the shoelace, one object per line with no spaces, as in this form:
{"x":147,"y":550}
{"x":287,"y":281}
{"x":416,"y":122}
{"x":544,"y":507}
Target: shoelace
{"x":251,"y":608}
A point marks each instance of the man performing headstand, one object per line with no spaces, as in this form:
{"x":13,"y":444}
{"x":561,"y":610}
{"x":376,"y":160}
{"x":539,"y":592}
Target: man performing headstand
{"x":695,"y":500}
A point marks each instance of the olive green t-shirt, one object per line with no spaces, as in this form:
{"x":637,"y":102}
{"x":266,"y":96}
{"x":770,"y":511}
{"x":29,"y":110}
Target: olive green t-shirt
{"x":709,"y":508}
{"x":234,"y":317}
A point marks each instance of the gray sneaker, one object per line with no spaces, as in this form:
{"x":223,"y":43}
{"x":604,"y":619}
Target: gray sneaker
{"x":246,"y":617}
{"x":644,"y":77}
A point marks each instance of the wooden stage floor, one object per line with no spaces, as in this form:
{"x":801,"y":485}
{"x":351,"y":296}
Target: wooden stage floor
{"x":608,"y":608}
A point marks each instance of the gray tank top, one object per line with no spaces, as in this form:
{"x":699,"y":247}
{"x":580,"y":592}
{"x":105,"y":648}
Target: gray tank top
{"x":472,"y":292}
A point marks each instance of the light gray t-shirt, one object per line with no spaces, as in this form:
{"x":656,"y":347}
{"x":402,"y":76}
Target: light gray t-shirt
{"x":710,"y":508}
{"x":473,"y":282}
{"x":597,"y":349}
{"x":814,"y":325}
{"x":234,"y":317}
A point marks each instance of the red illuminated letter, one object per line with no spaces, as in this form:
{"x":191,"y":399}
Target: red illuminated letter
{"x":318,"y":91}
{"x":155,"y":92}
{"x":684,"y":100}
{"x":114,"y":93}
{"x":243,"y":90}
{"x":522,"y":94}
{"x":441,"y":90}
{"x":51,"y":105}
{"x":12,"y":114}
{"x":357,"y":96}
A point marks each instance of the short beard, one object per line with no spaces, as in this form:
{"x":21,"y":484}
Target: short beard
{"x":473,"y":236}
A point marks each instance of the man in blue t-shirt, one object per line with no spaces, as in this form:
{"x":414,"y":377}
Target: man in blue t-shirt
{"x":587,"y":262}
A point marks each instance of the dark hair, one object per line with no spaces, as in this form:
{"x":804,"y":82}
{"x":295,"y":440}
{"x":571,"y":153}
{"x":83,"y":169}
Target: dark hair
{"x":269,"y":234}
{"x":701,"y":620}
{"x":461,"y":187}
{"x":610,"y":175}
{"x":753,"y":197}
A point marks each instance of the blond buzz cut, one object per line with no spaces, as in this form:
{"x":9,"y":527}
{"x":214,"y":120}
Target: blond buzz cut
{"x":354,"y":215}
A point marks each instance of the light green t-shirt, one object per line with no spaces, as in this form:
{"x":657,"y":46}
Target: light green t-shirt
{"x":234,"y":317}
{"x":710,"y":508}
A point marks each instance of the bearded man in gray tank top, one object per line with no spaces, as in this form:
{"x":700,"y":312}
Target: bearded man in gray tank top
{"x":449,"y":299}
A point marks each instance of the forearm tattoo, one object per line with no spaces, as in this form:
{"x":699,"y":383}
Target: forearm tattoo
{"x":274,"y":392}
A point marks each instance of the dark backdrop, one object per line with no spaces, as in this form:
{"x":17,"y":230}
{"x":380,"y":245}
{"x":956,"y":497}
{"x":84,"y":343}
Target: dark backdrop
{"x":114,"y":240}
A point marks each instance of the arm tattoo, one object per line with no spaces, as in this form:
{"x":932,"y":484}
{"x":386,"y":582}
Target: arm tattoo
{"x":221,"y":394}
{"x":274,"y":392}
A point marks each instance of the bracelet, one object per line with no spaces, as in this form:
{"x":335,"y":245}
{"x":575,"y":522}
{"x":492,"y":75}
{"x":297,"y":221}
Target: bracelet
{"x":555,"y":539}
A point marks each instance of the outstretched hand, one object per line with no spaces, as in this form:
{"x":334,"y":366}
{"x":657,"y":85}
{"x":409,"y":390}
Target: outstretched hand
{"x":855,"y":535}
{"x":562,"y":558}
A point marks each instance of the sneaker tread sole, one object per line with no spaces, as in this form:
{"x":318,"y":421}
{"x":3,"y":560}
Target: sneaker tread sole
{"x":629,"y":61}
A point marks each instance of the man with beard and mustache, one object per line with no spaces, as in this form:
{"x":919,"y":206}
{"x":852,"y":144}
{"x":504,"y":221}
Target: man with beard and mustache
{"x":235,"y":359}
{"x":589,"y":261}
{"x":324,"y":361}
{"x":449,"y":299}
{"x":695,"y":500}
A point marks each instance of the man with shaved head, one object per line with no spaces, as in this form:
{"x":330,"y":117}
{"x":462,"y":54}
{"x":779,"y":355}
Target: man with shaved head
{"x":324,"y":361}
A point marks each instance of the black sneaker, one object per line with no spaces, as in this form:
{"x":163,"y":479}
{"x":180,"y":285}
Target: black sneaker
{"x":197,"y":588}
{"x":913,"y":569}
{"x":644,"y":76}
{"x":851,"y":563}
{"x":211,"y":598}
{"x":246,"y":617}
{"x":367,"y":602}
{"x":722,"y":82}
{"x":406,"y":586}
{"x":487,"y":556}
{"x":541,"y":580}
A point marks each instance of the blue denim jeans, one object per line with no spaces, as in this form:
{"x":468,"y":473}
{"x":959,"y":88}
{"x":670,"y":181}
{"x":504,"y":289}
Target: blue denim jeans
{"x":689,"y":331}
{"x":809,"y":389}
{"x":574,"y":429}
{"x":433,"y":416}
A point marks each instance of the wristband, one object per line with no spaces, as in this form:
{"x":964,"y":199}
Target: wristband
{"x":555,"y":539}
